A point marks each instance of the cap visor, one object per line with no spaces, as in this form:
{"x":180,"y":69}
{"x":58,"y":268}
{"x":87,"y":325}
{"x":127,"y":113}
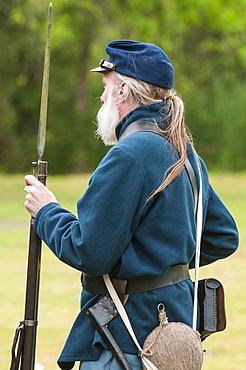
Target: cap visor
{"x":100,"y":69}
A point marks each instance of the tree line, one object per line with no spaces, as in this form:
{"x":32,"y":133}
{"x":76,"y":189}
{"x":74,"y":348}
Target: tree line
{"x":205,"y":40}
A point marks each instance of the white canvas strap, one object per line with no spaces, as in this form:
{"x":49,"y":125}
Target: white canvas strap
{"x":147,"y":363}
{"x":199,"y":221}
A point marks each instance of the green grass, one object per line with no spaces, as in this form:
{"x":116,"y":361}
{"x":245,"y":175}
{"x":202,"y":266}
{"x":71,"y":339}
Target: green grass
{"x":60,"y":284}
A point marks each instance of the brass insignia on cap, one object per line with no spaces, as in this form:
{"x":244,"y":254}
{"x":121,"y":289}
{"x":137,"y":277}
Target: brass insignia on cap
{"x":105,"y":64}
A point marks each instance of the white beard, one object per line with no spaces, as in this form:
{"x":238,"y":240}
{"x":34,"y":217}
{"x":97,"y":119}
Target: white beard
{"x":107,"y":120}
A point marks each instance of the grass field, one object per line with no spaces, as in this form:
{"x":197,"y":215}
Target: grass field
{"x":60,"y":286}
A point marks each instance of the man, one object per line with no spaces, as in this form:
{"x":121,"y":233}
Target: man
{"x":136,"y":218}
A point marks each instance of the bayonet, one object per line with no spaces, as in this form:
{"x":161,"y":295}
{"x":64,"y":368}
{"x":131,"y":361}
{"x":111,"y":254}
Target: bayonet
{"x":45,"y":90}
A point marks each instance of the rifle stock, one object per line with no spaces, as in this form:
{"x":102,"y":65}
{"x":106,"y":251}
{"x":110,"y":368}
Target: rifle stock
{"x":32,"y":288}
{"x":25,"y":337}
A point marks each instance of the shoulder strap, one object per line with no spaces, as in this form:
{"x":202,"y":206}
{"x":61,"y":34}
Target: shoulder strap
{"x":146,"y":126}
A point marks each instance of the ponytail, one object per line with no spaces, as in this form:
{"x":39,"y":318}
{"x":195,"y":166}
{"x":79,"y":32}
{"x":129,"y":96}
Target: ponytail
{"x":175,"y":132}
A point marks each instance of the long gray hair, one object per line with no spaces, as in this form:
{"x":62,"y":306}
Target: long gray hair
{"x":175,"y":132}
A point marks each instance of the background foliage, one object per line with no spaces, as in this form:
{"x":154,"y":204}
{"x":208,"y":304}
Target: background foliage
{"x":205,"y":40}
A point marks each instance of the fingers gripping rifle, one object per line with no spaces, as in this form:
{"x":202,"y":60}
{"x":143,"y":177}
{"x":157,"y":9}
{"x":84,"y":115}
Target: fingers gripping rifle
{"x":25,"y":335}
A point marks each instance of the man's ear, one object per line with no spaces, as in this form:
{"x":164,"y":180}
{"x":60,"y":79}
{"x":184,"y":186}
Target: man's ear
{"x":123,"y":92}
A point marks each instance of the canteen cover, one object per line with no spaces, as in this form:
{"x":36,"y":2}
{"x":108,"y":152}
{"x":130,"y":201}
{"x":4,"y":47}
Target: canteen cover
{"x":174,"y":346}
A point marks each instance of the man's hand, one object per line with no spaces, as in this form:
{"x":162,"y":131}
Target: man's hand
{"x":37,"y":195}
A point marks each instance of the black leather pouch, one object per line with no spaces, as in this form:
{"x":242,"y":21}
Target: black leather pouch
{"x":212,"y":307}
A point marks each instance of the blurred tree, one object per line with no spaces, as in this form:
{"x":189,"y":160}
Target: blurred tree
{"x":205,"y":39}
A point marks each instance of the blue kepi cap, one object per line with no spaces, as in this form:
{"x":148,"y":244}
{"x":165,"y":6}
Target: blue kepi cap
{"x":143,"y":61}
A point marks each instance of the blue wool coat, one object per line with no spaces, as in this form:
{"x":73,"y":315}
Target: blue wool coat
{"x":118,"y":232}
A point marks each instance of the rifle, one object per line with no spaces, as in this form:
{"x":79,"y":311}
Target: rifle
{"x":25,"y":334}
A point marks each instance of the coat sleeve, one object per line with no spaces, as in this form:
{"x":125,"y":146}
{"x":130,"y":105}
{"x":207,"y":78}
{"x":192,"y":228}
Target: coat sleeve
{"x":220,"y":234}
{"x":108,"y":214}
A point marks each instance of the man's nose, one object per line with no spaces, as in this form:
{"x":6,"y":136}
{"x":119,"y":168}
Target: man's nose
{"x":102,"y":98}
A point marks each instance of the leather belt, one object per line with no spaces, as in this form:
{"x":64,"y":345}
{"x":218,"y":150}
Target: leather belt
{"x":174,"y":275}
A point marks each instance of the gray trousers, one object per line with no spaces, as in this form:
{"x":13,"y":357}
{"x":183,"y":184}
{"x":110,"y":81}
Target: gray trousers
{"x":108,"y":362}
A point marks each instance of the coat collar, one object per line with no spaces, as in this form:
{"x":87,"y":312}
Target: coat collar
{"x":156,"y":112}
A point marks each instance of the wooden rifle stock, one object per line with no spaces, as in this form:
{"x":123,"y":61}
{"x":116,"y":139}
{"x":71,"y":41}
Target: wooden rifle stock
{"x":32,"y":288}
{"x":25,"y":336}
